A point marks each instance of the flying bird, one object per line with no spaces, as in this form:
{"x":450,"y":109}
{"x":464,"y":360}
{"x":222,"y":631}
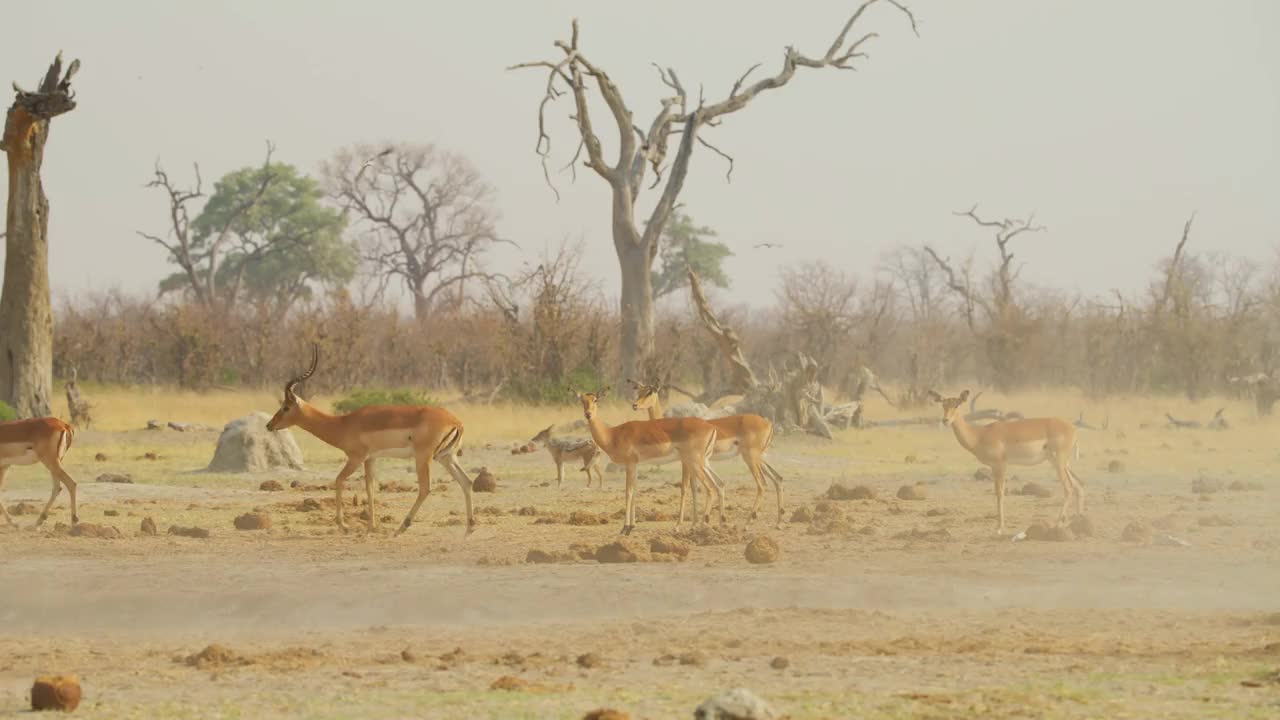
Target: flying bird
{"x":766,"y":245}
{"x":369,"y":163}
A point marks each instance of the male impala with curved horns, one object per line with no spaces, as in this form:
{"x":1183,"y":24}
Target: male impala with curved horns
{"x":747,"y":436}
{"x":45,"y":440}
{"x":654,"y":441}
{"x":1017,"y":442}
{"x":402,"y":431}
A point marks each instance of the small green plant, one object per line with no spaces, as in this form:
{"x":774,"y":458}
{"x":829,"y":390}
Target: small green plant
{"x":540,"y":391}
{"x":365,"y":398}
{"x":6,"y":412}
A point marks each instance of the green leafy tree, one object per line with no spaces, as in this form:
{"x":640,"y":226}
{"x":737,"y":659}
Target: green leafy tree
{"x":262,"y":237}
{"x":685,"y":244}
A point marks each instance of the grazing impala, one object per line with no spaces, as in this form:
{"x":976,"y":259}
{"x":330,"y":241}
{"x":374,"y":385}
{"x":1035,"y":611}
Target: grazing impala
{"x":45,"y":440}
{"x":419,"y":432}
{"x":565,"y":449}
{"x":1017,"y":442}
{"x":747,"y":436}
{"x":653,"y":441}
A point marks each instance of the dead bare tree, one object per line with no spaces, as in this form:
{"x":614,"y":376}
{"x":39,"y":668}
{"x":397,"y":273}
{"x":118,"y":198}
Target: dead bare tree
{"x":427,"y":215}
{"x":198,"y":259}
{"x":741,"y":378}
{"x":81,"y":410}
{"x":636,"y":244}
{"x":26,"y":312}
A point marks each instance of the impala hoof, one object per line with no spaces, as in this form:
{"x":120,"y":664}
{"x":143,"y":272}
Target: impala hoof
{"x":626,"y":529}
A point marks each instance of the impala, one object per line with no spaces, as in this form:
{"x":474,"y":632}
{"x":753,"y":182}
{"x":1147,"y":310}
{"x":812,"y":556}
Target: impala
{"x":420,"y":432}
{"x":562,"y":449}
{"x":747,"y":436}
{"x":654,"y":441}
{"x":1029,"y":441}
{"x":45,"y":440}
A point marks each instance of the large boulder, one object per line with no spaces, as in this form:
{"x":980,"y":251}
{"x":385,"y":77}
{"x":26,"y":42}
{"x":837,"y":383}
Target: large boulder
{"x":246,"y":445}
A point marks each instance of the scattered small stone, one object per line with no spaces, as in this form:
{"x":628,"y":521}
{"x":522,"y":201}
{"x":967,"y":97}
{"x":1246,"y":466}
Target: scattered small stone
{"x":253,"y":521}
{"x":1243,"y":486}
{"x":1049,"y":533}
{"x":214,"y":656}
{"x":408,"y":656}
{"x":857,"y":492}
{"x":509,"y":682}
{"x":982,"y":474}
{"x":1206,"y":486}
{"x":1115,"y":466}
{"x":485,"y":481}
{"x":149,"y":456}
{"x":527,"y":511}
{"x":55,"y":692}
{"x":624,"y":550}
{"x":90,"y":530}
{"x":271,"y":486}
{"x":666,"y":545}
{"x":111,"y":513}
{"x":780,"y":663}
{"x":606,"y":714}
{"x":100,"y":457}
{"x":1037,"y":490}
{"x":148,"y":526}
{"x":309,"y":505}
{"x":762,"y":550}
{"x":582,"y":517}
{"x":910,"y":460}
{"x":802,"y":514}
{"x":589,"y":660}
{"x":910,"y":492}
{"x":736,"y":704}
{"x":1082,"y":526}
{"x":693,"y":658}
{"x":115,"y":478}
{"x":191,"y":532}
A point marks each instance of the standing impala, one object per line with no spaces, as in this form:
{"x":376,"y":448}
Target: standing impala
{"x":653,"y":441}
{"x":45,"y":440}
{"x":400,"y":431}
{"x":747,"y":436}
{"x":1018,"y":442}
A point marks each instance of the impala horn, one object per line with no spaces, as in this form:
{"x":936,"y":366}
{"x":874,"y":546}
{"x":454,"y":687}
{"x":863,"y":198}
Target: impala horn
{"x":290,"y":386}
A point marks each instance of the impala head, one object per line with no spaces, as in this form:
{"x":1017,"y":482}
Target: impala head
{"x":589,"y":400}
{"x":951,"y":407}
{"x":289,"y":412}
{"x":543,"y":436}
{"x":645,"y":395}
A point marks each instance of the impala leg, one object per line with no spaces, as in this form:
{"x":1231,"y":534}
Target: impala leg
{"x":450,"y":463}
{"x":753,"y":460}
{"x":777,"y":485}
{"x":368,"y":493}
{"x":560,"y":472}
{"x":53,"y":495}
{"x":685,"y":484}
{"x":997,"y":473}
{"x":599,"y":473}
{"x":423,"y":466}
{"x":629,"y":518}
{"x":1064,"y":477}
{"x":3,"y":509}
{"x":340,"y":483}
{"x":1079,"y":487}
{"x":70,"y":484}
{"x":715,"y":480}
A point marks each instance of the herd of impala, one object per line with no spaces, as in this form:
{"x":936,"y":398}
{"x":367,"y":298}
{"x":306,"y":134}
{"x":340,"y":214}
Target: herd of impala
{"x":426,"y":433}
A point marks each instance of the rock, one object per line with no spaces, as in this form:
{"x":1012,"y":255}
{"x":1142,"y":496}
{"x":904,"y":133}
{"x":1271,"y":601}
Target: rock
{"x":111,"y":513}
{"x":148,"y":526}
{"x":309,"y":505}
{"x":155,"y":425}
{"x":1082,"y":526}
{"x":485,"y":481}
{"x":803,"y":514}
{"x":695,"y":409}
{"x":408,"y":656}
{"x":509,"y":682}
{"x":780,"y":663}
{"x":606,"y":714}
{"x":582,"y":517}
{"x":693,"y":658}
{"x":271,"y":486}
{"x":214,"y":656}
{"x":90,"y":530}
{"x":762,"y":550}
{"x":1206,"y":486}
{"x":115,"y":478}
{"x":1137,"y":532}
{"x":857,"y":492}
{"x":589,"y":660}
{"x":666,"y":545}
{"x":1243,"y":486}
{"x":191,"y":532}
{"x":1032,"y":489}
{"x":100,"y":457}
{"x":542,"y":556}
{"x":253,"y":521}
{"x":910,"y":492}
{"x":736,"y":704}
{"x":624,"y":550}
{"x":149,"y":456}
{"x":982,"y":474}
{"x":245,"y":445}
{"x":55,"y":692}
{"x":1115,"y":466}
{"x":1049,"y":533}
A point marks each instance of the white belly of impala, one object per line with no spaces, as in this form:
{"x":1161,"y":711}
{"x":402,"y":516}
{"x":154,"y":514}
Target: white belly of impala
{"x":1028,"y":453}
{"x":17,"y":454}
{"x":400,"y":452}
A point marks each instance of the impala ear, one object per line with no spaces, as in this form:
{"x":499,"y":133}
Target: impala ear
{"x":964,"y":396}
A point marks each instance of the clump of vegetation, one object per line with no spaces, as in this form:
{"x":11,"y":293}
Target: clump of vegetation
{"x":533,"y":390}
{"x":365,"y":398}
{"x":6,"y":412}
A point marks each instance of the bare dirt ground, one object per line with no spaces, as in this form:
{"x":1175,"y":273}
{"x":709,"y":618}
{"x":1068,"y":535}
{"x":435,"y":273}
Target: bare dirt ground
{"x":877,"y":608}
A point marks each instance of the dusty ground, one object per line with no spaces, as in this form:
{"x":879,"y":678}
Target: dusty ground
{"x":881,"y":607}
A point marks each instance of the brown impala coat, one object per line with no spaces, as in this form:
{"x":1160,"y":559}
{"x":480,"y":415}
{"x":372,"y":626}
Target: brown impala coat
{"x":45,"y":440}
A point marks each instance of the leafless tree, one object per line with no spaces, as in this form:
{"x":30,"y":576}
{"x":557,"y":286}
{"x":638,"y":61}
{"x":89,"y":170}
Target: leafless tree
{"x":644,"y":149}
{"x":26,"y":312}
{"x":426,"y":215}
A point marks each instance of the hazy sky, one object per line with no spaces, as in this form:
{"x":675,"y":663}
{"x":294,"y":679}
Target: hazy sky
{"x":1113,"y":120}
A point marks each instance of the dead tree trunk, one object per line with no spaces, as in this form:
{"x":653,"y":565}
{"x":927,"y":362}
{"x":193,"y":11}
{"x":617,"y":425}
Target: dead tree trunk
{"x":741,"y":378}
{"x":640,"y":149}
{"x":26,"y":314}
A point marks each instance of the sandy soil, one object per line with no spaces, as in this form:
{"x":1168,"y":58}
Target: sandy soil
{"x":879,"y":608}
